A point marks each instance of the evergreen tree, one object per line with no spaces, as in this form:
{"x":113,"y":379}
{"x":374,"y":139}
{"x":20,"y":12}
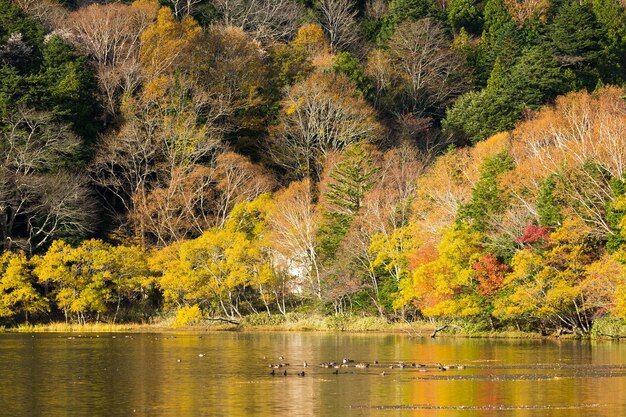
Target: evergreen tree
{"x":577,"y":41}
{"x":501,"y":38}
{"x":548,"y":206}
{"x":350,"y":180}
{"x":403,"y":10}
{"x":487,"y":198}
{"x":347,"y":64}
{"x":496,"y":18}
{"x":611,"y":17}
{"x":535,"y":79}
{"x":464,"y":14}
{"x":615,"y":214}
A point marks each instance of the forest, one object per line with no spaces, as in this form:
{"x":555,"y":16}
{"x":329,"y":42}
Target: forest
{"x":447,"y":160}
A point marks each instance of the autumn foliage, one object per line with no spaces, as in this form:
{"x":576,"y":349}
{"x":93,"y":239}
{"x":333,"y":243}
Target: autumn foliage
{"x":445,"y":160}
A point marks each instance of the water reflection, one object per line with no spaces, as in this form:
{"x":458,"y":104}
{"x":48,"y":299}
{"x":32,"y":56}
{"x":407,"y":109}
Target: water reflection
{"x":215,"y":374}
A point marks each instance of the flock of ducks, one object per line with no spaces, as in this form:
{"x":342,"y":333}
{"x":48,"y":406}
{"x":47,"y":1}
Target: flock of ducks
{"x":347,"y":363}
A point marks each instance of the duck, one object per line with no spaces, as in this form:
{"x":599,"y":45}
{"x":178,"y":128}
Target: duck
{"x":301,"y":373}
{"x":362,"y":365}
{"x":285,"y":373}
{"x":273,"y":372}
{"x":305,"y":364}
{"x":336,"y":372}
{"x":383,"y":373}
{"x":346,"y":360}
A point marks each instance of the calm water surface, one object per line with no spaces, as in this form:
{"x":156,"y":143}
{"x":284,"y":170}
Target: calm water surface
{"x":140,"y":374}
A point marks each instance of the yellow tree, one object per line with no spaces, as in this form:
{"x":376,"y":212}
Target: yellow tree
{"x":130,"y":276}
{"x":86,"y":278}
{"x":17,"y":293}
{"x":442,"y":282}
{"x":550,"y":285}
{"x":167,"y":44}
{"x":79,"y":276}
{"x":218,"y":270}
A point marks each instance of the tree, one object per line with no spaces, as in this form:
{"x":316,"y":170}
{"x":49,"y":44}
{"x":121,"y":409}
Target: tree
{"x":338,"y":20}
{"x":183,"y":8}
{"x":490,"y":274}
{"x":347,"y":64}
{"x":428,"y":75}
{"x":390,"y":253}
{"x":166,"y":44}
{"x":464,"y":14}
{"x":16,"y":53}
{"x":293,"y":226}
{"x":488,"y":200}
{"x":534,"y":79}
{"x":17,"y":292}
{"x":311,"y":39}
{"x":400,"y":11}
{"x":86,"y":278}
{"x":40,"y":198}
{"x":320,"y":115}
{"x":547,"y":285}
{"x":178,"y":124}
{"x":523,"y":11}
{"x":496,"y":18}
{"x":44,"y":73}
{"x":237,"y":180}
{"x":349,"y":179}
{"x":130,"y":278}
{"x":14,"y":20}
{"x":225,"y":269}
{"x":441,"y":283}
{"x":577,"y":41}
{"x":49,"y":12}
{"x":110,"y":34}
{"x":80,"y":277}
{"x":268,"y":21}
{"x":378,"y":70}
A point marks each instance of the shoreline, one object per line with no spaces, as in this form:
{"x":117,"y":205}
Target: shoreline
{"x":415,"y":329}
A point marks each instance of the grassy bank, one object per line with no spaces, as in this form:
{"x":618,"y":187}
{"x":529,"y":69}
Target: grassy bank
{"x":603,"y":329}
{"x":290,"y":322}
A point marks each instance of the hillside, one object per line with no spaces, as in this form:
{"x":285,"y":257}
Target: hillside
{"x":455,"y":160}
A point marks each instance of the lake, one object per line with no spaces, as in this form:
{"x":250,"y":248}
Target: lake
{"x":227,"y":374}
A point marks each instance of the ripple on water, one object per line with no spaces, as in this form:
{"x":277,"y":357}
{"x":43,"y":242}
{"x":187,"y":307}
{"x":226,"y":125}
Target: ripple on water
{"x":496,"y":407}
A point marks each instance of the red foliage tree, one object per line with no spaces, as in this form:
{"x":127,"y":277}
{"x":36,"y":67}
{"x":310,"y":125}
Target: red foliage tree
{"x":535,"y":236}
{"x":490,"y":275}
